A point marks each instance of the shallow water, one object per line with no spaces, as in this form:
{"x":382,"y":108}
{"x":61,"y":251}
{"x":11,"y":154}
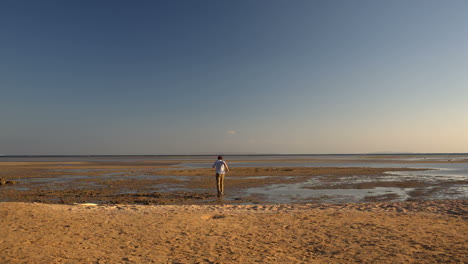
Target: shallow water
{"x":287,"y":193}
{"x":137,"y":158}
{"x":462,"y":167}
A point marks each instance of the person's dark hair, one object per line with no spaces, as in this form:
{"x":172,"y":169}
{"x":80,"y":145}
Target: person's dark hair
{"x":220,"y":157}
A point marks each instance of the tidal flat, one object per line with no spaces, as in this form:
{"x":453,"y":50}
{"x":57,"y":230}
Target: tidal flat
{"x":251,"y":180}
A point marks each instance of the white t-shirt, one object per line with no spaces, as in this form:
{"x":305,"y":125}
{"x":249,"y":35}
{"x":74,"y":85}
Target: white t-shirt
{"x":220,"y":166}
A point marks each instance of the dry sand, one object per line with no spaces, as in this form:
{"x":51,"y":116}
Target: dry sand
{"x":407,"y":232}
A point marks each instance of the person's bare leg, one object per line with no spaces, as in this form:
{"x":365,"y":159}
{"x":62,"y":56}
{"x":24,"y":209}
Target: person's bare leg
{"x":218,"y":184}
{"x":222,"y":184}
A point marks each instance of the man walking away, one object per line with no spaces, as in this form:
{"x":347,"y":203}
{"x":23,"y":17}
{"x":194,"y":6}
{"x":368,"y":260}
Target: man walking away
{"x":221,"y":168}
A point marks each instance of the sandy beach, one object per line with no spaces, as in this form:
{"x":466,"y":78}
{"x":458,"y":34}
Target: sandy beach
{"x":408,"y":232}
{"x":141,"y":217}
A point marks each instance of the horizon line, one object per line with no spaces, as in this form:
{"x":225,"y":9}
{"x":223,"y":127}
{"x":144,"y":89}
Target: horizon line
{"x":235,"y":154}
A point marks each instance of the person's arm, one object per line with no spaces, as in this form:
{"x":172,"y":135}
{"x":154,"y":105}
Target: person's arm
{"x":214,"y":164}
{"x":227,"y":168}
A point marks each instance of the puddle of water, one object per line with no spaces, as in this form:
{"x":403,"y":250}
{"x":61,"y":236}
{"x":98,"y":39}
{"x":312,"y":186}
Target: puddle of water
{"x":442,"y":174}
{"x":52,"y":180}
{"x":288,"y":193}
{"x":18,"y":188}
{"x":266,"y":177}
{"x":452,"y":192}
{"x":158,"y":177}
{"x":127,"y":191}
{"x":78,"y":170}
{"x":165,"y":187}
{"x":55,"y":183}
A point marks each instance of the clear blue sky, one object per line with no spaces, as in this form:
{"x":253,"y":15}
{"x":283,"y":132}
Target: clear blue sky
{"x":185,"y":77}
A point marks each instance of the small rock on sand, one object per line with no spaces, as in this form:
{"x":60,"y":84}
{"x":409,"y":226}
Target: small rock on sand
{"x":4,"y":181}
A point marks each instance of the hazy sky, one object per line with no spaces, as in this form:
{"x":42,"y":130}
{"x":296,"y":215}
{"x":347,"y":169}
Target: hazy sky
{"x":185,"y":77}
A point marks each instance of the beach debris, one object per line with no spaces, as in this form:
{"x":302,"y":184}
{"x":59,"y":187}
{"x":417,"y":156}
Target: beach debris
{"x":4,"y":181}
{"x":86,"y":204}
{"x":218,"y":216}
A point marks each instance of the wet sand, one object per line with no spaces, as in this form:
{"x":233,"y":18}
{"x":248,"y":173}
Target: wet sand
{"x":408,"y":232}
{"x":140,"y":183}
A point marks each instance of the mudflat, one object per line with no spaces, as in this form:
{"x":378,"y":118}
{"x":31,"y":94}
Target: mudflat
{"x":164,"y":183}
{"x":406,"y":232}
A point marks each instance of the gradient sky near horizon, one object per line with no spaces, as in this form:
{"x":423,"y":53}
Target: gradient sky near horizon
{"x":198,"y":77}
